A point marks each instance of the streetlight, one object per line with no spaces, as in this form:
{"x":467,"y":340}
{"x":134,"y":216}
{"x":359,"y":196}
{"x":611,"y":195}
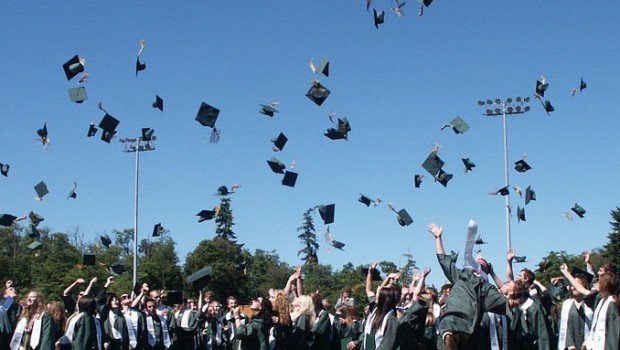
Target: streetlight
{"x":141,"y":144}
{"x":506,"y":107}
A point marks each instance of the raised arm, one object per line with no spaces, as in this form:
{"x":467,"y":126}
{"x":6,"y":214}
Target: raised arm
{"x":496,"y":279}
{"x":437,"y":231}
{"x":390,"y":279}
{"x":138,"y":299}
{"x":586,"y":257}
{"x":90,"y":285}
{"x":510,"y":257}
{"x":419,"y":287}
{"x":293,"y":279}
{"x":578,"y":287}
{"x":369,"y":289}
{"x":68,"y":289}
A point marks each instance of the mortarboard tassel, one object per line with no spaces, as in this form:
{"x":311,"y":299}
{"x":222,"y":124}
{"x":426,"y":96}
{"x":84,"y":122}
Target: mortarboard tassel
{"x":215,"y":136}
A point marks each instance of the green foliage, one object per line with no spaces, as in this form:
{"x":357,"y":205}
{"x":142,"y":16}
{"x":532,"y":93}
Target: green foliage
{"x":264,"y":270}
{"x":224,"y":220}
{"x":611,"y":250}
{"x":318,"y":277}
{"x":308,"y":239}
{"x":159,"y":267}
{"x":550,"y":265}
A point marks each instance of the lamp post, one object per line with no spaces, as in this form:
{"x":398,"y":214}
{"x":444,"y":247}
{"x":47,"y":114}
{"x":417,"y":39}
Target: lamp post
{"x":141,"y":144}
{"x":506,"y":107}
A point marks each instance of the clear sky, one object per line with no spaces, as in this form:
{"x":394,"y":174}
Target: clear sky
{"x":397,"y":86}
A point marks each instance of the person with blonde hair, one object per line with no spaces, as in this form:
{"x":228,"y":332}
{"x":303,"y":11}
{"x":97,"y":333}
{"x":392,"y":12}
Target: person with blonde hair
{"x":303,"y":318}
{"x":36,"y":329}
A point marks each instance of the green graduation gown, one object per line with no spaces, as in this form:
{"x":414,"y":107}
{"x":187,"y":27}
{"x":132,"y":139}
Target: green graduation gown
{"x":253,"y":336}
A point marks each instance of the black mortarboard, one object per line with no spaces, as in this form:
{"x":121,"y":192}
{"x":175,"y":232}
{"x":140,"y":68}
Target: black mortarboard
{"x":223,"y":191}
{"x":35,"y":218}
{"x":157,"y":230}
{"x":117,"y":269}
{"x":582,"y":85}
{"x":426,"y":3}
{"x":73,"y":67}
{"x":530,"y":195}
{"x":458,"y":125}
{"x":92,"y":130}
{"x":433,"y":164}
{"x":207,"y":115}
{"x":323,"y":68}
{"x":106,"y":241}
{"x":289,"y":179}
{"x":376,"y":275}
{"x":174,"y":298}
{"x":200,"y":278}
{"x":279,"y":142}
{"x":4,"y":169}
{"x":469,"y":165}
{"x":41,"y":189}
{"x":267,"y":110}
{"x":89,"y":259}
{"x":43,"y":132}
{"x":365,"y":200}
{"x":335,"y":134}
{"x":72,"y":193}
{"x":159,"y":103}
{"x":33,"y":232}
{"x":520,"y":214}
{"x":548,"y":107}
{"x":576,"y":272}
{"x":147,"y":134}
{"x":35,"y":245}
{"x":479,"y":240}
{"x":379,"y":17}
{"x":541,"y":87}
{"x":7,"y":219}
{"x":140,"y":65}
{"x":327,"y":213}
{"x":107,"y":136}
{"x":78,"y":94}
{"x":276,"y":165}
{"x":504,"y":191}
{"x":444,"y":177}
{"x":520,"y":259}
{"x":317,"y":93}
{"x":108,"y":123}
{"x":404,"y":219}
{"x":205,"y":215}
{"x":522,"y":166}
{"x":417,"y":180}
{"x":578,"y":210}
{"x":337,"y":244}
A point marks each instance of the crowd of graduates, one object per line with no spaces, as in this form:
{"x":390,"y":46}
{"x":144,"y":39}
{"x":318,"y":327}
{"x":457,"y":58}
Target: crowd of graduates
{"x":468,"y":312}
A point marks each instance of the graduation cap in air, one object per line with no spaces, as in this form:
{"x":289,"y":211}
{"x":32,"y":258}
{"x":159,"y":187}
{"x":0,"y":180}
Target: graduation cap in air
{"x":577,"y":272}
{"x":433,"y":164}
{"x":158,"y":103}
{"x":469,"y":165}
{"x":323,"y":68}
{"x":317,"y":93}
{"x":72,"y":193}
{"x":117,"y":269}
{"x":578,"y":210}
{"x":147,"y":134}
{"x":7,"y":219}
{"x":4,"y":169}
{"x":73,"y":67}
{"x":367,"y":200}
{"x":341,"y":132}
{"x":108,"y":124}
{"x":582,"y":85}
{"x":548,"y":107}
{"x":520,"y":259}
{"x":267,"y":110}
{"x":35,"y":245}
{"x":276,"y":165}
{"x":78,"y":94}
{"x":157,"y":230}
{"x":200,"y":278}
{"x":92,"y":130}
{"x":458,"y":125}
{"x":207,"y":116}
{"x":379,"y":17}
{"x":376,"y":275}
{"x":417,"y":180}
{"x":530,"y":195}
{"x":479,"y":240}
{"x":404,"y":219}
{"x":43,"y":135}
{"x":174,"y":297}
{"x":205,"y":215}
{"x":327,"y":213}
{"x":223,"y":190}
{"x":35,"y":218}
{"x":105,"y":240}
{"x":41,"y":190}
{"x":33,"y":232}
{"x":337,"y":244}
{"x":443,"y":178}
{"x":520,"y":214}
{"x":140,"y":65}
{"x":522,"y":166}
{"x":541,"y":86}
{"x":279,"y":142}
{"x":289,"y":179}
{"x":504,"y":191}
{"x":89,"y":259}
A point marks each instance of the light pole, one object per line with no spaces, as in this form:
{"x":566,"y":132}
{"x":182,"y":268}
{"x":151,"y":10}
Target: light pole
{"x":504,"y":108}
{"x":141,"y":144}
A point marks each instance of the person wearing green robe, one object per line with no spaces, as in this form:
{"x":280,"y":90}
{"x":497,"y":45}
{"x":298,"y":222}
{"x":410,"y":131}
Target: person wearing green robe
{"x":9,"y":315}
{"x":469,"y":298}
{"x":83,"y":332}
{"x":255,"y":334}
{"x":322,"y":327}
{"x":530,"y":324}
{"x":604,"y":332}
{"x":412,"y":323}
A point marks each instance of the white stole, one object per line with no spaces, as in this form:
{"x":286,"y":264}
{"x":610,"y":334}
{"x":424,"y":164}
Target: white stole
{"x":18,"y":334}
{"x":493,"y":332}
{"x":112,"y":319}
{"x":71,"y":325}
{"x":596,"y":337}
{"x":526,"y":306}
{"x":379,"y":333}
{"x":151,"y":331}
{"x":35,"y":336}
{"x":130,"y":330}
{"x":566,"y":306}
{"x":185,"y":319}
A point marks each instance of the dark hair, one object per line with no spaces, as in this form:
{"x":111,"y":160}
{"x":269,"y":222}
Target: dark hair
{"x":87,"y":304}
{"x":608,"y":284}
{"x":529,"y":275}
{"x":317,"y":301}
{"x":520,"y":290}
{"x":387,"y":300}
{"x":109,"y":298}
{"x":609,"y":267}
{"x":347,"y":290}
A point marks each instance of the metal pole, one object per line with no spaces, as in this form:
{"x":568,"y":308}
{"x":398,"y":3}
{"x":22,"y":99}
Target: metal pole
{"x":135,"y":219}
{"x":506,"y":179}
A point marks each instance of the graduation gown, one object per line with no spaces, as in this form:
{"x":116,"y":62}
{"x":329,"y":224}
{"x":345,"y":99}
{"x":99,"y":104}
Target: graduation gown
{"x":503,"y":333}
{"x":532,"y":330}
{"x":8,"y":322}
{"x":85,"y":333}
{"x":412,"y":326}
{"x":301,"y":335}
{"x":253,"y":335}
{"x":612,"y":327}
{"x":389,"y":329}
{"x":322,"y":331}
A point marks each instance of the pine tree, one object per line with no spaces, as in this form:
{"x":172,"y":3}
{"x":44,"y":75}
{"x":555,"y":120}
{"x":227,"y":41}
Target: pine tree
{"x":224,"y":221}
{"x":308,"y":239}
{"x":611,"y":250}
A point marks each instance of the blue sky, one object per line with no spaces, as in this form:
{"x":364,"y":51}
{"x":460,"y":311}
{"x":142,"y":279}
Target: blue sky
{"x":397,"y":86}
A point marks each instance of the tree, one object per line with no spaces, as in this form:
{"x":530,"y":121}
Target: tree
{"x":611,"y":250}
{"x":160,"y":267}
{"x":264,"y":270}
{"x":224,"y":220}
{"x":308,"y":239}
